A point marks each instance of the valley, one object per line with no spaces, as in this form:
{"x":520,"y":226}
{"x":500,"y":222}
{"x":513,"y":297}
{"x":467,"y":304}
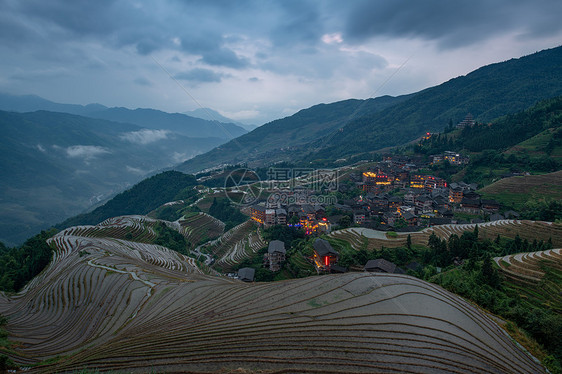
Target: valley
{"x":417,"y":233}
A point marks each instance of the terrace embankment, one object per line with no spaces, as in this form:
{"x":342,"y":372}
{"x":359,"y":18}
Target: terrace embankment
{"x":110,"y":304}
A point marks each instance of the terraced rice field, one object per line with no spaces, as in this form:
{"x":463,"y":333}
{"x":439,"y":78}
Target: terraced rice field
{"x":372,"y":239}
{"x":526,"y":274}
{"x":235,"y":245}
{"x":113,"y":305}
{"x":240,"y":250}
{"x":139,"y":227}
{"x":200,"y":227}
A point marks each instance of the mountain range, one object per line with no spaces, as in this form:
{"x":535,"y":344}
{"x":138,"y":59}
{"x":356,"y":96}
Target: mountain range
{"x":191,"y":126}
{"x":350,"y":128}
{"x":55,"y":165}
{"x":59,"y":159}
{"x":212,"y":115}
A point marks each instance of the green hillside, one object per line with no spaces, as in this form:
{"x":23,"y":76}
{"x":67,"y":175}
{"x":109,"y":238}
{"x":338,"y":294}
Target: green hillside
{"x":339,"y":130}
{"x":529,"y":141}
{"x":279,"y":139}
{"x":487,"y":93}
{"x":140,"y":199}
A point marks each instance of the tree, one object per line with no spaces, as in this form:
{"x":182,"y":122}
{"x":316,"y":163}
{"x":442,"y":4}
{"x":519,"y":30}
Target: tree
{"x":345,"y":222}
{"x":433,"y":241}
{"x":400,"y":223}
{"x":409,"y":242}
{"x":488,"y":274}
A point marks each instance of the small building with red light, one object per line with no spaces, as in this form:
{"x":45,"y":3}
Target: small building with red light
{"x":324,"y":255}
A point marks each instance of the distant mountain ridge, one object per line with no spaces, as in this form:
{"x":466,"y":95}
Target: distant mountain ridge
{"x":336,"y":131}
{"x":177,"y":122}
{"x":212,"y":115}
{"x":55,"y":165}
{"x":277,"y":140}
{"x":148,"y":118}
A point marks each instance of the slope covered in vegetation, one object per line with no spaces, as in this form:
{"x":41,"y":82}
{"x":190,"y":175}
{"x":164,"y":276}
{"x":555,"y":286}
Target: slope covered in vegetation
{"x":142,"y":198}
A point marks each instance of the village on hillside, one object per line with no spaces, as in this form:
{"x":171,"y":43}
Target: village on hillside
{"x":391,"y":196}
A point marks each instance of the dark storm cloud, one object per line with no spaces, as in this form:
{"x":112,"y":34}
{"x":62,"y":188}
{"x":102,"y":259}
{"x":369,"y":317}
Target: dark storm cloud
{"x":297,"y":22}
{"x":451,"y":23}
{"x":82,"y":17}
{"x":225,"y":57}
{"x":199,"y":75}
{"x":118,"y":24}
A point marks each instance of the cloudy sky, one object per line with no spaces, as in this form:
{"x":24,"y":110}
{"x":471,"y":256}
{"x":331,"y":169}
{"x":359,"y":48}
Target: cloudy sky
{"x":257,"y":60}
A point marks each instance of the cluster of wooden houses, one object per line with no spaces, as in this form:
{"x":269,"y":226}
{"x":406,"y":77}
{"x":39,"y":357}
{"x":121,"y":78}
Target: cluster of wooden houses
{"x":311,"y":218}
{"x":325,"y":259}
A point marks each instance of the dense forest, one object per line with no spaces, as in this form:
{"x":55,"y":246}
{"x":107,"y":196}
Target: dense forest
{"x":512,"y":129}
{"x":432,"y":108}
{"x":501,"y":134}
{"x":222,"y":209}
{"x":19,"y":265}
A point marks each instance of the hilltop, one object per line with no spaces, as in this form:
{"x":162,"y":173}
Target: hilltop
{"x":344,"y":129}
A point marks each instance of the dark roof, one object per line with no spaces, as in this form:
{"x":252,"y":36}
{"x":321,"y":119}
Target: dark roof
{"x":472,"y":195}
{"x":439,"y":199}
{"x":276,"y":246}
{"x":336,"y":218}
{"x":338,"y":269}
{"x":246,"y":274}
{"x":343,"y":207}
{"x":511,"y":213}
{"x":307,"y":208}
{"x":319,"y":207}
{"x":380,"y":265}
{"x":258,"y":207}
{"x":408,"y":215}
{"x":324,"y":248}
{"x":439,"y":221}
{"x":496,"y":217}
{"x":448,"y":213}
{"x":280,"y":211}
